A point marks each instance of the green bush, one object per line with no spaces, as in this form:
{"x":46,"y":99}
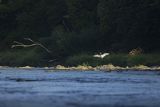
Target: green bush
{"x":136,"y":60}
{"x":83,"y":59}
{"x":35,"y":57}
{"x":144,"y":59}
{"x":115,"y":59}
{"x":20,"y":58}
{"x":152,"y":59}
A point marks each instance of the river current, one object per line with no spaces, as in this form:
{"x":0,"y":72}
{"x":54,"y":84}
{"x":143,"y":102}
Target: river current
{"x":39,"y":87}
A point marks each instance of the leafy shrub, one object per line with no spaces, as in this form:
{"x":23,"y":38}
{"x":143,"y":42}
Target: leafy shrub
{"x":115,"y":59}
{"x":20,"y":58}
{"x":82,"y":59}
{"x":136,"y":60}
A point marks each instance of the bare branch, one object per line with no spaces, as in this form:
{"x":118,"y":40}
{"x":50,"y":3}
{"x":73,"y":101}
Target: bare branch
{"x":44,"y":48}
{"x":19,"y":44}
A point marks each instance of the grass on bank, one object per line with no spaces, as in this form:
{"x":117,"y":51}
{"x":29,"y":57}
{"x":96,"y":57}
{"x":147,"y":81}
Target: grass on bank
{"x":122,"y":60}
{"x":20,"y":58}
{"x":35,"y":58}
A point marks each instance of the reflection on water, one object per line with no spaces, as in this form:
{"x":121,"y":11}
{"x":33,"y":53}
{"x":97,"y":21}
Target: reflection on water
{"x":38,"y":88}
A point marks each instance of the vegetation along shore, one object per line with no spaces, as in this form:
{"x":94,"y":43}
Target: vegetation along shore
{"x":111,"y":62}
{"x":42,"y":33}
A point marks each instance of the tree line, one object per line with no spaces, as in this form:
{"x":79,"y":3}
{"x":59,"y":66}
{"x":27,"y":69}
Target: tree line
{"x":68,"y":27}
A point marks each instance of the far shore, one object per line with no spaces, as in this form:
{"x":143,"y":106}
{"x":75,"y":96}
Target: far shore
{"x":108,"y":67}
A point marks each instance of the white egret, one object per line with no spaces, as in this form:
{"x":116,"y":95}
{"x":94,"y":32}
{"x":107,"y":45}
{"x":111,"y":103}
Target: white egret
{"x":101,"y":55}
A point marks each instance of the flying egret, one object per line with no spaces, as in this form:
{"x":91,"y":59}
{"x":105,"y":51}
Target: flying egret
{"x":101,"y":55}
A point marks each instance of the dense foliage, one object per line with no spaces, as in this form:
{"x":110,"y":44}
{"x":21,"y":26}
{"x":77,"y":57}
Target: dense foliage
{"x":68,"y":27}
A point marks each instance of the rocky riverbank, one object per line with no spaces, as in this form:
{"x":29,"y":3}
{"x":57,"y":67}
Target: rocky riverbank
{"x":108,"y":67}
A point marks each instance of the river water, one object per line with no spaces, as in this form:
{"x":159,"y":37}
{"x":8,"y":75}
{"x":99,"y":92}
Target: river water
{"x":42,"y":88}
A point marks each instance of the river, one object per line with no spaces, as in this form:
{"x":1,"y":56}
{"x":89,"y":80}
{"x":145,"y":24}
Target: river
{"x":39,"y":87}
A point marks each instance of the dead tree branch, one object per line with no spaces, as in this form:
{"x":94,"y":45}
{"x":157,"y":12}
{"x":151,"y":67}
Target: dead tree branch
{"x":19,"y":44}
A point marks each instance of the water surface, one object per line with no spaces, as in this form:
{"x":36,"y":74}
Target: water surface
{"x":42,"y":88}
